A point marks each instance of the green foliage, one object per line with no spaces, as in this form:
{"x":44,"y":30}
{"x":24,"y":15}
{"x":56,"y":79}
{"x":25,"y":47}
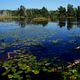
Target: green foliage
{"x":71,"y":74}
{"x":62,"y":12}
{"x":44,"y":12}
{"x":22,"y":11}
{"x":10,"y":76}
{"x":70,"y":10}
{"x":78,"y":12}
{"x":54,"y":15}
{"x":25,"y":65}
{"x":30,"y":14}
{"x":22,"y":64}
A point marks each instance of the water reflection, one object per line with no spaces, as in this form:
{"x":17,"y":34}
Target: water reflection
{"x":69,"y":23}
{"x":78,"y":23}
{"x":42,"y":42}
{"x":41,"y":23}
{"x":23,"y":22}
{"x":62,"y":22}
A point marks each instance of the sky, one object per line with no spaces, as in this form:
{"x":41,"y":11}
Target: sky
{"x":49,"y":4}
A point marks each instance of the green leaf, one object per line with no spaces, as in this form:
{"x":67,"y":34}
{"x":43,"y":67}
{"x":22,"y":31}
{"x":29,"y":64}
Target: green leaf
{"x":10,"y":76}
{"x":35,"y":71}
{"x":19,"y":72}
{"x":13,"y":70}
{"x":5,"y":73}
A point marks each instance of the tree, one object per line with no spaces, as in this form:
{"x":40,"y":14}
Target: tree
{"x":78,"y":12}
{"x":70,"y":11}
{"x":62,"y":12}
{"x":75,"y":12}
{"x":53,"y":15}
{"x":22,"y":11}
{"x":44,"y":12}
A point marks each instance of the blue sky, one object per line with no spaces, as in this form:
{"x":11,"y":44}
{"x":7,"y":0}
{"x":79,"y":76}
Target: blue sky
{"x":50,"y":4}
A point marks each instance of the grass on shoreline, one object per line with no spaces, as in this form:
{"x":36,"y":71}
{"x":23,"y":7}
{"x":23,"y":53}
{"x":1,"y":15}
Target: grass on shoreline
{"x":10,"y":17}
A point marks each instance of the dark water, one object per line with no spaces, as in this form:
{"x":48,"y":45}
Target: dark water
{"x":45,"y":40}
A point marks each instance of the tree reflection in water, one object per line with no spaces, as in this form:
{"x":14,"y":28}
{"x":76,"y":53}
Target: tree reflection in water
{"x":69,"y":23}
{"x":23,"y":22}
{"x":62,"y":22}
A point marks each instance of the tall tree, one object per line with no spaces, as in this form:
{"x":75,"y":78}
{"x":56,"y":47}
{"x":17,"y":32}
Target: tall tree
{"x":75,"y":12}
{"x":22,"y":11}
{"x":62,"y":12}
{"x":78,"y":12}
{"x":44,"y":12}
{"x":70,"y":10}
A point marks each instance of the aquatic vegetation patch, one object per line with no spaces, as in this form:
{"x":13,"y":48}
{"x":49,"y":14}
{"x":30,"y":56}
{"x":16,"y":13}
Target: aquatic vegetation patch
{"x":74,"y":35}
{"x":56,"y":41}
{"x":72,"y":73}
{"x":21,"y":66}
{"x":27,"y":66}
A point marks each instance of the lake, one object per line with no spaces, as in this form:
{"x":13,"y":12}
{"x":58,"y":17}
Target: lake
{"x":44,"y":40}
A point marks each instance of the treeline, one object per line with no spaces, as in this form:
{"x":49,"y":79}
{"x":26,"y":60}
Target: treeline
{"x":62,"y":12}
{"x":43,"y":14}
{"x":70,"y":12}
{"x":23,"y":12}
{"x":33,"y":13}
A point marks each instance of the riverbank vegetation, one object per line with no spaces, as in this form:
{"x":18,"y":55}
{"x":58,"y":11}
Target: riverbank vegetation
{"x":42,"y":14}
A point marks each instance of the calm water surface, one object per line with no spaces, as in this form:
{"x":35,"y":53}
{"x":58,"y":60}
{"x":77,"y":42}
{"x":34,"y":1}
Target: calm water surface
{"x":42,"y":40}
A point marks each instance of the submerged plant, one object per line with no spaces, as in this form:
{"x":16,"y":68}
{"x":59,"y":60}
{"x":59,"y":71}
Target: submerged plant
{"x":25,"y":65}
{"x":56,"y":41}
